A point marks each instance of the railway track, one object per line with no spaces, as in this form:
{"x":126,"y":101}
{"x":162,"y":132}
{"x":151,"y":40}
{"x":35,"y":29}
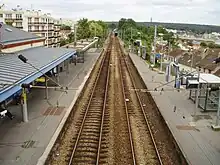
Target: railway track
{"x":113,"y":126}
{"x":88,"y":141}
{"x":134,"y":107}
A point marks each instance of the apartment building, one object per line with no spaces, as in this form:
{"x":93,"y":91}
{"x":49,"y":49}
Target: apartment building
{"x":35,"y":22}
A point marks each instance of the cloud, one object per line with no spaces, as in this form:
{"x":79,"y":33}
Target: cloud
{"x":188,"y":11}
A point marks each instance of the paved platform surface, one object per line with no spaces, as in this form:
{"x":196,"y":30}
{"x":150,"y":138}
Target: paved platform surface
{"x":198,"y":142}
{"x":24,"y":143}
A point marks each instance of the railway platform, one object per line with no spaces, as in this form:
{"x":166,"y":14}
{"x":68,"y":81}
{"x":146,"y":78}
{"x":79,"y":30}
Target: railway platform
{"x":190,"y":127}
{"x":24,"y":143}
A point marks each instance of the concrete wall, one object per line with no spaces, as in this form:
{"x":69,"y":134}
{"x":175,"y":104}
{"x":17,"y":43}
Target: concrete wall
{"x":23,"y":47}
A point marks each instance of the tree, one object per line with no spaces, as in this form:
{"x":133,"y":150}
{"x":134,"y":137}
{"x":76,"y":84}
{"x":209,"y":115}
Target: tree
{"x":65,"y":27}
{"x":71,"y":37}
{"x":169,"y":37}
{"x":112,"y":26}
{"x":96,"y":30}
{"x":83,"y":31}
{"x":63,"y":42}
{"x":121,"y":23}
{"x":203,"y":44}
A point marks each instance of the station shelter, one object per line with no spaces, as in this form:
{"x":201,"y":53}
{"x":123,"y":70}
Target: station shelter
{"x":209,"y":92}
{"x":14,"y":72}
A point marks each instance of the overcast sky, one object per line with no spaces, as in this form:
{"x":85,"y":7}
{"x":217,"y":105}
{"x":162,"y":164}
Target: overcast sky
{"x":184,"y":11}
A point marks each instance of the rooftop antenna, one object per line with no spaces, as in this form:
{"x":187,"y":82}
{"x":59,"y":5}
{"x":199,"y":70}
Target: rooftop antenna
{"x":1,"y":6}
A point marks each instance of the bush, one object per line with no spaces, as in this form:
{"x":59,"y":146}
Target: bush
{"x":203,"y":44}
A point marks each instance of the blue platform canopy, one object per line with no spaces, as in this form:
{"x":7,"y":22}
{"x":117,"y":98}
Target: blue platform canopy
{"x":14,"y":72}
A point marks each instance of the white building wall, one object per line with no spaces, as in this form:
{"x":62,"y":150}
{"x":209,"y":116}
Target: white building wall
{"x":23,"y":47}
{"x":37,"y":24}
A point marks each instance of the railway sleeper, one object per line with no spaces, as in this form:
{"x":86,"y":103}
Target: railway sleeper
{"x":84,"y":161}
{"x":85,"y":155}
{"x":92,"y":145}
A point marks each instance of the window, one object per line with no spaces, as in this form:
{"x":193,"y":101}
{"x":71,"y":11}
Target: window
{"x":36,"y":20}
{"x":36,"y":27}
{"x":8,"y":15}
{"x":29,"y":19}
{"x":1,"y":15}
{"x":29,"y":28}
{"x":18,"y":24}
{"x":18,"y":16}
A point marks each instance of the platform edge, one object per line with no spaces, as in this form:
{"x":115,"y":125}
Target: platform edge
{"x":42,"y":159}
{"x":168,"y":125}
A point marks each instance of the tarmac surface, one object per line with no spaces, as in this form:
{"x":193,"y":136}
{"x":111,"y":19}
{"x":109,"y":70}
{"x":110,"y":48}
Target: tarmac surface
{"x":24,"y":143}
{"x":190,"y":127}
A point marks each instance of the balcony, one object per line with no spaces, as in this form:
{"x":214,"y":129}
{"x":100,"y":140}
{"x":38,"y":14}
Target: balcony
{"x":39,"y":30}
{"x":9,"y":19}
{"x":36,"y":23}
{"x":19,"y":27}
{"x":19,"y":19}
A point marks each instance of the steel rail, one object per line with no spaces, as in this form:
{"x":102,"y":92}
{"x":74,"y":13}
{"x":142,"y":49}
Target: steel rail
{"x":127,"y":116}
{"x":142,"y":108}
{"x":88,"y":106}
{"x":103,"y":110}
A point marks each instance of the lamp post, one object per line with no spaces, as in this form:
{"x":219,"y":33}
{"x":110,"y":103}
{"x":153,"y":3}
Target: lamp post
{"x":161,"y":56}
{"x":191,"y":53}
{"x":155,"y":42}
{"x":75,"y":32}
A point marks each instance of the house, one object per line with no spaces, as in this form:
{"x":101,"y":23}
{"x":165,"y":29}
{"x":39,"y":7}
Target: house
{"x":41,"y":60}
{"x":36,"y":22}
{"x":13,"y":39}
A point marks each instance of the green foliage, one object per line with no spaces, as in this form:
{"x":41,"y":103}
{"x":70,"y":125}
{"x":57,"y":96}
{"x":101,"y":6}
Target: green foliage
{"x":65,"y":27}
{"x":203,"y":44}
{"x":9,"y":23}
{"x":209,"y":45}
{"x":83,"y":30}
{"x":213,"y":45}
{"x":71,"y":37}
{"x":112,"y":26}
{"x":63,"y":42}
{"x":90,"y":29}
{"x":132,"y":31}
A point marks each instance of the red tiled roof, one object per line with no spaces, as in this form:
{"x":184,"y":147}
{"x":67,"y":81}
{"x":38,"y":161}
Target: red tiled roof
{"x":176,"y":52}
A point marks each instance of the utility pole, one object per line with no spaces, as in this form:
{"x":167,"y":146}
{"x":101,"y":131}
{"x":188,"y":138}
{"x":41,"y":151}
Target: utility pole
{"x":47,"y":31}
{"x":191,"y":59}
{"x":197,"y":92}
{"x":161,"y":59}
{"x":155,"y":39}
{"x":75,"y":31}
{"x":131,"y":39}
